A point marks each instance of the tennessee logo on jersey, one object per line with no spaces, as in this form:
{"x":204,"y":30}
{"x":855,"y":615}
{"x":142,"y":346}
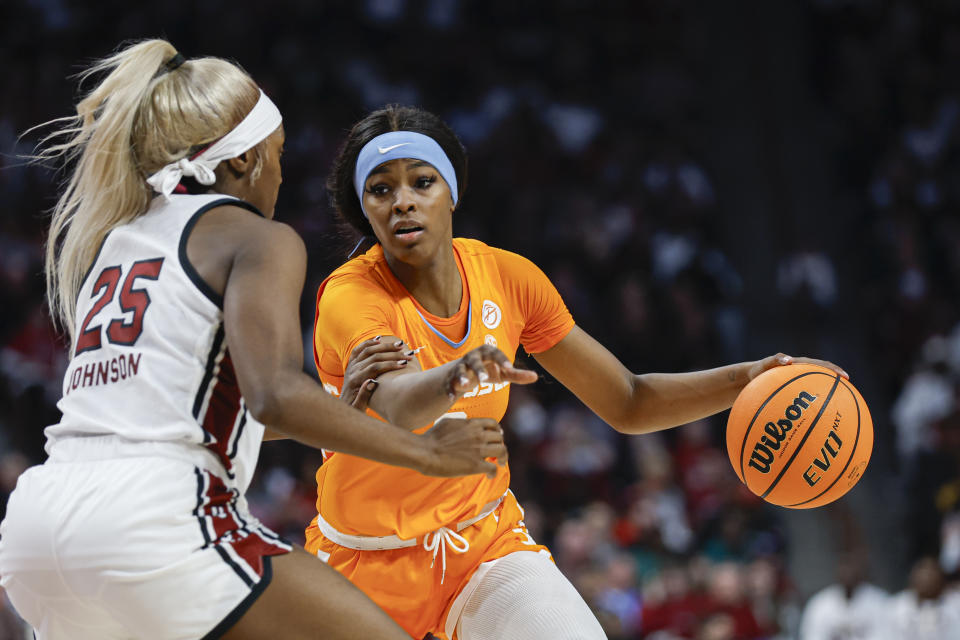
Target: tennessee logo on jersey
{"x":491,"y":314}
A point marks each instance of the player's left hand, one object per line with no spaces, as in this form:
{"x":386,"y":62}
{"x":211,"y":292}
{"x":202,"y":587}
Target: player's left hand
{"x":782,"y":359}
{"x":368,"y":361}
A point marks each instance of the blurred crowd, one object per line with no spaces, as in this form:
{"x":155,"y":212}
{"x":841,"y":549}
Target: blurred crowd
{"x":894,"y":85}
{"x":582,"y":134}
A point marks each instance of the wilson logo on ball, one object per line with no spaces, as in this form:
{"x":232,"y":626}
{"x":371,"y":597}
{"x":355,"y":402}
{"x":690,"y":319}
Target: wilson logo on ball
{"x":762,"y":456}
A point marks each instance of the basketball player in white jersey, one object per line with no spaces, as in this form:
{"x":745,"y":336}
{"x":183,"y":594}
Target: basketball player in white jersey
{"x":182,"y":310}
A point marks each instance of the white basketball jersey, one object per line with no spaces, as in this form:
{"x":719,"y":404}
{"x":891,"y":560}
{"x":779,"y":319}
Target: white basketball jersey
{"x":150,"y":362}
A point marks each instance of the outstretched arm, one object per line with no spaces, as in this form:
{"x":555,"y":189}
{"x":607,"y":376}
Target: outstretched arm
{"x":413,"y":398}
{"x":652,"y":401}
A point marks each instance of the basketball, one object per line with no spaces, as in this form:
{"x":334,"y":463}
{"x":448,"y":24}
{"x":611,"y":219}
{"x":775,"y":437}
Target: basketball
{"x":799,"y":436}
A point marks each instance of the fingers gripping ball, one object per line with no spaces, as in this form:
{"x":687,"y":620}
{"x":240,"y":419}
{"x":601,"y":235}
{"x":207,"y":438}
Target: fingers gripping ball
{"x":799,"y":436}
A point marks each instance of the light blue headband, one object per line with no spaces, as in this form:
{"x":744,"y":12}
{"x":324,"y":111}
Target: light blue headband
{"x":402,"y":144}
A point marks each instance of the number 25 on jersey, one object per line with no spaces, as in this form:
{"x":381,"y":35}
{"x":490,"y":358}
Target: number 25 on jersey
{"x":119,"y":330}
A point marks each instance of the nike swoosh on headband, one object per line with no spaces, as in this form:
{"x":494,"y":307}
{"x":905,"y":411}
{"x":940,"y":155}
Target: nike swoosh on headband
{"x":383,"y":150}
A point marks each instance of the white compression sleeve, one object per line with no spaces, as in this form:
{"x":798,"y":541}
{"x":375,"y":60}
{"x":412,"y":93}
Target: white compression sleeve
{"x":523,"y":596}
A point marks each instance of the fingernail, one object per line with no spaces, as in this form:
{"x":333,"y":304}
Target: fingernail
{"x":401,"y":362}
{"x":464,"y":380}
{"x":409,"y":353}
{"x":483,"y":376}
{"x":376,"y":339}
{"x":845,"y":374}
{"x":784,"y":359}
{"x":372,"y":385}
{"x":398,"y":343}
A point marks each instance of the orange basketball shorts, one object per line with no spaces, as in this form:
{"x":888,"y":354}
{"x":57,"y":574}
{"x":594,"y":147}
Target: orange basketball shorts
{"x":418,"y":596}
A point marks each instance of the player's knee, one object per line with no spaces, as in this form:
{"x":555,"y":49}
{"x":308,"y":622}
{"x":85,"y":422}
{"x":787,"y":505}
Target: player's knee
{"x":524,"y":596}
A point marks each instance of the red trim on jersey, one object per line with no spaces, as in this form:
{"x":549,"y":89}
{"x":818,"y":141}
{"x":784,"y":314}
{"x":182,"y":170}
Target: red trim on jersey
{"x":253,"y":548}
{"x":229,"y":528}
{"x":223,"y":410}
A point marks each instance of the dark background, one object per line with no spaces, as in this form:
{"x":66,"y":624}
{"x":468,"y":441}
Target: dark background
{"x":704,"y":182}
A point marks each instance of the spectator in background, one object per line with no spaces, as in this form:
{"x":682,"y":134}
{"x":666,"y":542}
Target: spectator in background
{"x":727,"y":599}
{"x":850,"y":609}
{"x":718,"y":626}
{"x":620,"y":597}
{"x":925,"y":610}
{"x":928,"y":395}
{"x":673,"y":603}
{"x":772,"y":597}
{"x":656,"y":515}
{"x":704,"y":473}
{"x":932,"y":482}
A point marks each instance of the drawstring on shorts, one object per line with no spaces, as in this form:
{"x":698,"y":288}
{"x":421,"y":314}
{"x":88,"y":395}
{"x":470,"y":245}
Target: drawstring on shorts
{"x":437,"y":541}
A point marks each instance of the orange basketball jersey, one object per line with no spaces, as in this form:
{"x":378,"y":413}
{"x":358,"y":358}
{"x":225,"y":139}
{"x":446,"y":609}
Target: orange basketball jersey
{"x":507,"y":301}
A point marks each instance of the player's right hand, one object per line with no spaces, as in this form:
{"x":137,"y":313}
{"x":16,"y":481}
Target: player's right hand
{"x":486,"y":363}
{"x":460,"y":446}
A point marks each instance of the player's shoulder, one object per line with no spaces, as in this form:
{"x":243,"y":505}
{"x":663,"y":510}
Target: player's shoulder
{"x":469,"y":247}
{"x":827,"y":596}
{"x":212,"y":206}
{"x":240,"y":225}
{"x":872,"y":592}
{"x":233,"y":211}
{"x":362,"y":270}
{"x":363,"y":276}
{"x":473,"y":247}
{"x":274,"y":236}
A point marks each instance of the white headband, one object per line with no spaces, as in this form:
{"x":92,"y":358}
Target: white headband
{"x":262,"y":120}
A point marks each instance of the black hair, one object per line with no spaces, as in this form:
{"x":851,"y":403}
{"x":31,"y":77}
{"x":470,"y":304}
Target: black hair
{"x":343,"y":195}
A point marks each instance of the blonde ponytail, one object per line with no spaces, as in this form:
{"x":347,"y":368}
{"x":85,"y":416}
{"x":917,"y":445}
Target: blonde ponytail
{"x":139,"y":118}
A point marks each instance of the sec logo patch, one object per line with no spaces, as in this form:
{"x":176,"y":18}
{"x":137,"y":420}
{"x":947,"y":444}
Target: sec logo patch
{"x":491,"y":314}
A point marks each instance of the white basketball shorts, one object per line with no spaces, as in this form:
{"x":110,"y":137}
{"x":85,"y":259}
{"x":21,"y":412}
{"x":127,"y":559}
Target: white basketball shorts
{"x":131,"y":547}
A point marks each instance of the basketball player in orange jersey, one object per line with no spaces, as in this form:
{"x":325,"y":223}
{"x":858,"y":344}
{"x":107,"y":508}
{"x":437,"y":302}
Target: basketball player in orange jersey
{"x":452,"y":558}
{"x":180,"y":294}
